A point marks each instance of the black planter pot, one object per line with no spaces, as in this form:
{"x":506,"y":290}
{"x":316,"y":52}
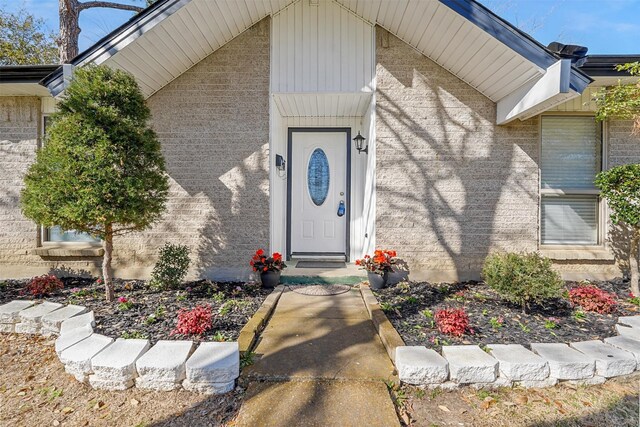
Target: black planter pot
{"x":270,"y":279}
{"x":378,"y":281}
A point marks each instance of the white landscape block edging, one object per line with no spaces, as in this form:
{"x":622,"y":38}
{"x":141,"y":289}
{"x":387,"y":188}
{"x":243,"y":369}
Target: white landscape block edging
{"x":81,"y":320}
{"x":114,"y":367}
{"x":565,"y":363}
{"x":163,"y":366}
{"x":625,"y":331}
{"x":627,"y":344}
{"x":73,"y":337}
{"x":30,"y":318}
{"x":470,"y":364}
{"x":77,"y":358}
{"x":9,"y":311}
{"x":610,"y":361}
{"x":519,"y":364}
{"x":52,"y":321}
{"x":213,"y":368}
{"x":632,"y":321}
{"x":419,"y":365}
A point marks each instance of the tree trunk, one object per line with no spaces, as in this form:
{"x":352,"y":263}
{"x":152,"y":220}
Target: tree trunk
{"x":107,"y":244}
{"x":69,"y":11}
{"x":633,"y":263}
{"x":69,"y":29}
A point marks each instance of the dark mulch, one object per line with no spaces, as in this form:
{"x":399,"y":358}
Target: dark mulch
{"x":406,"y":302}
{"x":155,"y":313}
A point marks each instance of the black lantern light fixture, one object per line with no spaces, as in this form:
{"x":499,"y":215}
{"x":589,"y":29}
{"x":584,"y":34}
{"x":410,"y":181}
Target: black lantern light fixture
{"x":359,"y":140}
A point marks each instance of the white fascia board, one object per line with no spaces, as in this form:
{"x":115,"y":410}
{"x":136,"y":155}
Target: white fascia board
{"x":535,"y":96}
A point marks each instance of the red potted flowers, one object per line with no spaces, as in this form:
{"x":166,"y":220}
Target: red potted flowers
{"x":378,"y":267}
{"x":269,"y":267}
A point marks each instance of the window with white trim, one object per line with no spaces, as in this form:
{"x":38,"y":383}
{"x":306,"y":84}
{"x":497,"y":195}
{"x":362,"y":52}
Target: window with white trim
{"x":571,"y":156}
{"x":56,"y":234}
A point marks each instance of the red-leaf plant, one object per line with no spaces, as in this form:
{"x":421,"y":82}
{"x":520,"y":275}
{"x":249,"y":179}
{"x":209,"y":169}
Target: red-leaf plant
{"x":592,"y":298}
{"x":260,"y":262}
{"x":193,"y":322}
{"x":452,"y":321}
{"x":44,"y":285}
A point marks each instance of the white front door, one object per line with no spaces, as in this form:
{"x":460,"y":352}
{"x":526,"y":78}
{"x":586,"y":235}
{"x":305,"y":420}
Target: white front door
{"x":319,"y":193}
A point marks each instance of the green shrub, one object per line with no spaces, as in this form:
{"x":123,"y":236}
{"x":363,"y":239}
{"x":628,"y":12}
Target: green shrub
{"x":171,"y":267}
{"x":522,"y":278}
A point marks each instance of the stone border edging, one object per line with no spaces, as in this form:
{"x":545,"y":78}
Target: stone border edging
{"x":506,"y":365}
{"x":108,"y":364}
{"x":252,"y":329}
{"x":390,"y":338}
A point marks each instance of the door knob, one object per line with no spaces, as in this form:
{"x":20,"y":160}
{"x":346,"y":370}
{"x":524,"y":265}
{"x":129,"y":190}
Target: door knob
{"x":341,"y":208}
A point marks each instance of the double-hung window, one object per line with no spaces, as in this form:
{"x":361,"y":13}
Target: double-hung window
{"x":56,"y":234}
{"x":571,"y":156}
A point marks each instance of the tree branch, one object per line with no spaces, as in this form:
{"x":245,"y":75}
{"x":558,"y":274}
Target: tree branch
{"x":90,"y":4}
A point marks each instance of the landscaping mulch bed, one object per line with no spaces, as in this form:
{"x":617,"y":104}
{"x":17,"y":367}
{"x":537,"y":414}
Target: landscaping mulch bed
{"x":153,"y":314}
{"x":410,"y":307}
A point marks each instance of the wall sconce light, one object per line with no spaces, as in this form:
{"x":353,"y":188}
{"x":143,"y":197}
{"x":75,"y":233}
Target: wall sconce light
{"x":281,"y":163}
{"x":359,"y":140}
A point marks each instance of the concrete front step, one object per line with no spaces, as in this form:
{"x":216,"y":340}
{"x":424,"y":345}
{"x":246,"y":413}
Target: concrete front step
{"x":73,"y":337}
{"x":52,"y":321}
{"x":470,"y":364}
{"x":565,"y":363}
{"x":117,"y":362}
{"x":610,"y":361}
{"x":627,"y":344}
{"x":419,"y":365}
{"x":519,"y":364}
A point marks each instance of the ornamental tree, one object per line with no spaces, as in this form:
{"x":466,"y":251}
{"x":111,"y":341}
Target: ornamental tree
{"x":620,"y":186}
{"x":101,"y":170}
{"x":621,"y":101}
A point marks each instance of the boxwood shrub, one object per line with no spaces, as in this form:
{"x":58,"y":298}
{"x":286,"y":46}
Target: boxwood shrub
{"x":522,"y":278}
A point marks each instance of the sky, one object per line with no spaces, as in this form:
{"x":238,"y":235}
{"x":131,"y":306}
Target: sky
{"x":604,"y":26}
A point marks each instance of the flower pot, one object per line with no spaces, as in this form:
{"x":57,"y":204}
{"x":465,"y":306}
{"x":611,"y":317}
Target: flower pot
{"x":270,"y":279}
{"x":377,"y":281}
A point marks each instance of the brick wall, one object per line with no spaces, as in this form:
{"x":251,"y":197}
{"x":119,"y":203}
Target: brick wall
{"x":451,"y":185}
{"x":213,"y":123}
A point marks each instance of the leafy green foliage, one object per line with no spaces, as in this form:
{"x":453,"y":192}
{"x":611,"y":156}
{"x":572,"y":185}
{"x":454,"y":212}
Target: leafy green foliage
{"x":101,"y":170}
{"x":522,"y":278}
{"x":621,"y":187}
{"x":24,"y":40}
{"x":621,"y":101}
{"x":171,"y":268}
{"x":101,"y":164}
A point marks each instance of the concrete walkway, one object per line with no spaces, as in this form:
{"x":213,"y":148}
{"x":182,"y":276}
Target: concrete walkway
{"x":319,"y":362}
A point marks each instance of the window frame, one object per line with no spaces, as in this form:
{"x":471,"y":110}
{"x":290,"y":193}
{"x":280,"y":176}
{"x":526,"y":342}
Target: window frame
{"x":546,"y":192}
{"x":42,"y":231}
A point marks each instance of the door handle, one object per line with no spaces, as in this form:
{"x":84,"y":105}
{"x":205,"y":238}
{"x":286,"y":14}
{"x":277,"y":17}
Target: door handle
{"x":341,"y":208}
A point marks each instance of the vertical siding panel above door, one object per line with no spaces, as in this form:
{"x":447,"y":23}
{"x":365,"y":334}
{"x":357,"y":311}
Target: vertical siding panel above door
{"x":323,"y":48}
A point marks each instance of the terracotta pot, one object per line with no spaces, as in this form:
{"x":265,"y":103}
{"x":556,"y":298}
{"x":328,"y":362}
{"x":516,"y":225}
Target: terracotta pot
{"x":270,"y":279}
{"x":378,"y":281}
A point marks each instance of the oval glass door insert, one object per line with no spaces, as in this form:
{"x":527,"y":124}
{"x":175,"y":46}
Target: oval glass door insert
{"x":318,"y":176}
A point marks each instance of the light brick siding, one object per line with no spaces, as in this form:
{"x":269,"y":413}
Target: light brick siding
{"x":451,"y":185}
{"x":213,"y":123}
{"x":19,"y":122}
{"x":624,"y":147}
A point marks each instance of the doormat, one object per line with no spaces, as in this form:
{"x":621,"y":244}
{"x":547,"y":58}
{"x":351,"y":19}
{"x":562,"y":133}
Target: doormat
{"x":321,"y":264}
{"x":320,"y":290}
